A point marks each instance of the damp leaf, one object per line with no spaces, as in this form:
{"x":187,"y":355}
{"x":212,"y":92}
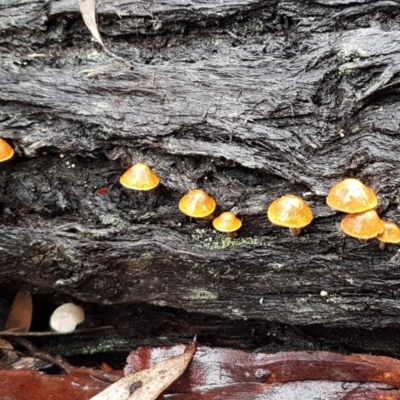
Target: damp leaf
{"x":88,"y":11}
{"x":149,"y":383}
{"x":20,"y":317}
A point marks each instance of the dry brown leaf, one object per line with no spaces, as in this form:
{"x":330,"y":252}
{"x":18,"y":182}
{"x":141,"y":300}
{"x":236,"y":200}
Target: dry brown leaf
{"x":149,"y":383}
{"x":20,"y":317}
{"x":88,"y":11}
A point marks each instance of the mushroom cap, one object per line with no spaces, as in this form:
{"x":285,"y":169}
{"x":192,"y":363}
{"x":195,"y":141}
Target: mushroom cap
{"x":197,"y":203}
{"x":139,"y":177}
{"x":290,"y":211}
{"x":351,"y":196}
{"x":6,"y":151}
{"x":365,"y":225}
{"x":390,"y":234}
{"x":227,"y":222}
{"x":66,"y":317}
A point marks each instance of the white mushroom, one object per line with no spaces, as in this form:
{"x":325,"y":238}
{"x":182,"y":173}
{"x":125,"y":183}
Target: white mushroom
{"x":66,"y":317}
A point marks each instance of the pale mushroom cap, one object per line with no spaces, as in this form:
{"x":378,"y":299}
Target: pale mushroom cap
{"x":139,"y":177}
{"x":227,"y":222}
{"x":365,"y":225}
{"x":390,"y":234}
{"x":66,"y":317}
{"x":197,"y":204}
{"x":290,"y":211}
{"x":351,"y":196}
{"x":6,"y":151}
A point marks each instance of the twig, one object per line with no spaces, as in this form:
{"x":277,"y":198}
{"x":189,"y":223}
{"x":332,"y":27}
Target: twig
{"x":52,"y":333}
{"x":59,"y":361}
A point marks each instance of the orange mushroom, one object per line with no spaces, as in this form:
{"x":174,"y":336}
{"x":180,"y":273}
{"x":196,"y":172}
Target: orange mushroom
{"x":365,"y":225}
{"x":198,"y":204}
{"x":291,"y":212}
{"x":227,"y":222}
{"x":351,"y":196}
{"x":139,"y":177}
{"x":6,"y":151}
{"x":390,"y":234}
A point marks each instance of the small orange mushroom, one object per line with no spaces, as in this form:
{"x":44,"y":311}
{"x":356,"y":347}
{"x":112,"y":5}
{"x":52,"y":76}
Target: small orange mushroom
{"x":363,"y":226}
{"x":390,"y":234}
{"x":291,"y":212}
{"x":139,"y":177}
{"x":227,"y":222}
{"x":351,"y":196}
{"x":6,"y":151}
{"x":198,"y":204}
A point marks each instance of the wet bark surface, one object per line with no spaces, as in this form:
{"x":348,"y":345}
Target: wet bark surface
{"x":247,"y":99}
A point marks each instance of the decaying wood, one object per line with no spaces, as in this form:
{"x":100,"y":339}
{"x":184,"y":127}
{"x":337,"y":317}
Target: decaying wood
{"x":246,"y":99}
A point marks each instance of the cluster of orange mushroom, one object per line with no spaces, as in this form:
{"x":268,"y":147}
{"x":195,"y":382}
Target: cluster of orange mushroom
{"x":350,"y":196}
{"x":362,"y":221}
{"x":196,"y":204}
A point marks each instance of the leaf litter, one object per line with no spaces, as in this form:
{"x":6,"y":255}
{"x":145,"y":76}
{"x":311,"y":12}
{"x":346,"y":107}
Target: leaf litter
{"x":149,"y":383}
{"x":89,"y":15}
{"x":20,"y":317}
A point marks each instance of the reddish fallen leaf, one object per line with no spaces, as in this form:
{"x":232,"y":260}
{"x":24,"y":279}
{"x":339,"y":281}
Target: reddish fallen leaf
{"x":106,"y":367}
{"x":223,"y":373}
{"x":307,"y":390}
{"x":27,"y":384}
{"x":103,"y":190}
{"x":20,"y":317}
{"x":149,"y":383}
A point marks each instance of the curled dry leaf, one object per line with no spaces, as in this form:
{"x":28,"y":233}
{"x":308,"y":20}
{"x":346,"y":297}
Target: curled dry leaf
{"x":20,"y":317}
{"x":88,"y":11}
{"x":150,"y":383}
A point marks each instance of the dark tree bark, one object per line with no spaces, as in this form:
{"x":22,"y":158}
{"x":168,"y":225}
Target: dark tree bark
{"x":246,"y":99}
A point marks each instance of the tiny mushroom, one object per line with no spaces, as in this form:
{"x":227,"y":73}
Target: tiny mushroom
{"x":139,"y":177}
{"x":6,"y":151}
{"x":291,"y":212}
{"x":363,"y":226}
{"x":198,"y":204}
{"x":227,"y":222}
{"x":66,"y":317}
{"x":390,"y":234}
{"x":351,"y":196}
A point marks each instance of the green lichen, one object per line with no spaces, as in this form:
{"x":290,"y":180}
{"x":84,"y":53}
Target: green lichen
{"x":202,"y":294}
{"x":212,"y":240}
{"x":145,"y":260}
{"x":106,"y":345}
{"x":276,"y":266}
{"x":146,"y":256}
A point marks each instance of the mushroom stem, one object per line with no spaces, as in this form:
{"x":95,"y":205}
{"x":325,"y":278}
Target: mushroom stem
{"x":232,"y":234}
{"x":295,"y":231}
{"x":382,"y":245}
{"x":209,"y":217}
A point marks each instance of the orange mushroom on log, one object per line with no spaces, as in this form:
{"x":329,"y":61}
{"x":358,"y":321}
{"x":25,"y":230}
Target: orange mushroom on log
{"x":6,"y":151}
{"x":291,"y":212}
{"x":227,"y":222}
{"x":198,"y":204}
{"x":365,"y":225}
{"x":351,"y":196}
{"x":140,"y":177}
{"x":390,"y":234}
